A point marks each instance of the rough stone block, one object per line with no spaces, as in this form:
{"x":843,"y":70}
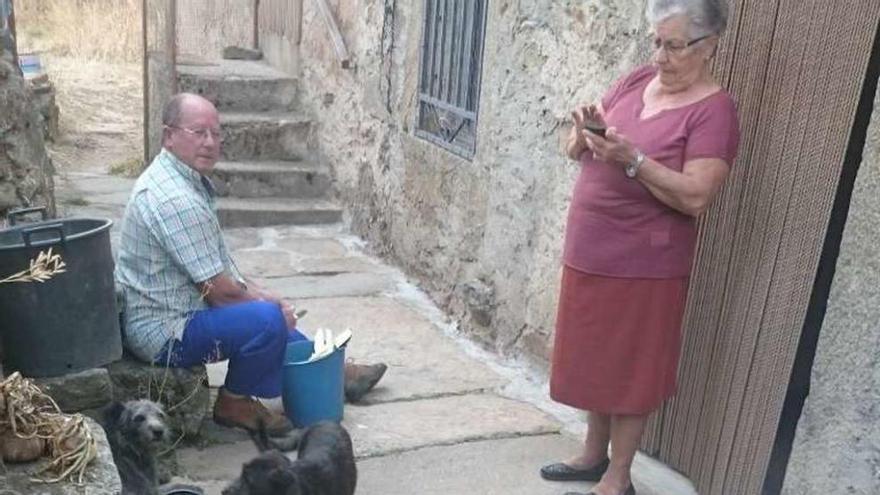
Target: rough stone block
{"x":101,"y":476}
{"x":183,"y":391}
{"x":77,"y":392}
{"x":241,"y":53}
{"x":25,"y":167}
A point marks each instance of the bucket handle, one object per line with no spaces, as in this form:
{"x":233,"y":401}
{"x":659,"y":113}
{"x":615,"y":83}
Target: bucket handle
{"x":13,"y":215}
{"x":26,"y":234}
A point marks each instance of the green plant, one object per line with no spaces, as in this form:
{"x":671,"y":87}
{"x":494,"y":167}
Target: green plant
{"x":131,"y":167}
{"x":77,"y":202}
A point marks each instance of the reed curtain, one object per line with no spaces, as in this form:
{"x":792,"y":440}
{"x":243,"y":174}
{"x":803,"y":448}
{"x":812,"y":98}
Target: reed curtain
{"x":796,"y":69}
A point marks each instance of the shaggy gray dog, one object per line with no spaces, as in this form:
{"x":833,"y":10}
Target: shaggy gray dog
{"x":135,"y":429}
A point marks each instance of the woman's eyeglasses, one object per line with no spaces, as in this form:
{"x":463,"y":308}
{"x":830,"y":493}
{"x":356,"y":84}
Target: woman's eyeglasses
{"x":676,"y":47}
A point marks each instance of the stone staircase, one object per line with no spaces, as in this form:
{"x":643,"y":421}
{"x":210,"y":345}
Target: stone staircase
{"x":267,"y":175}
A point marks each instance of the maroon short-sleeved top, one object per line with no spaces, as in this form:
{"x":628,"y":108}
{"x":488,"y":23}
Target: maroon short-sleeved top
{"x":616,"y":227}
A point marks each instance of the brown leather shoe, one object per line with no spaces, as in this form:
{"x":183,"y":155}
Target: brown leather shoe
{"x":361,"y":378}
{"x":248,"y":413}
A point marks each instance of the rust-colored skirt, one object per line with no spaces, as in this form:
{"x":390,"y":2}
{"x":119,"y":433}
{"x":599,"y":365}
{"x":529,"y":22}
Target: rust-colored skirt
{"x":618,"y":341}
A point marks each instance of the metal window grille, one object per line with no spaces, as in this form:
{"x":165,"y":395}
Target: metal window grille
{"x":452,"y":60}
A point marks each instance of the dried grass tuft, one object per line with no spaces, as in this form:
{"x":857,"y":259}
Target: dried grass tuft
{"x":45,"y":266}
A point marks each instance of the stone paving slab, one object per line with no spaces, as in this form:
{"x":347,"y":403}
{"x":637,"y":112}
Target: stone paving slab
{"x":277,"y":263}
{"x":310,"y":247}
{"x":216,"y":463}
{"x":242,"y":238}
{"x":506,"y":466}
{"x":395,"y":427}
{"x":339,"y":285}
{"x":494,"y":467}
{"x":422,"y":362}
{"x":384,"y":429}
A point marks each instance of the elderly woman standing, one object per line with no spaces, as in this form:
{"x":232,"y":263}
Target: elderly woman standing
{"x":672,"y":136}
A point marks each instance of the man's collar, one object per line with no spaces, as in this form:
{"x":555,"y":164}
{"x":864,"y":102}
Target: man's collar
{"x":188,"y":173}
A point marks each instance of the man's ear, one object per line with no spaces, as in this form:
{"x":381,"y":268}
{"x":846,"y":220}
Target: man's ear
{"x":166,"y":136}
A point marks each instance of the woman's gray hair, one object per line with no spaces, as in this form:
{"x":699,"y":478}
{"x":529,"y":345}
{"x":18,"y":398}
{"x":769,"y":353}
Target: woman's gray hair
{"x":706,"y":16}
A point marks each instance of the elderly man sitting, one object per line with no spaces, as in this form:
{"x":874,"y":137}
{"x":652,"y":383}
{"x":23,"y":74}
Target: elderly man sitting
{"x":185,"y":301}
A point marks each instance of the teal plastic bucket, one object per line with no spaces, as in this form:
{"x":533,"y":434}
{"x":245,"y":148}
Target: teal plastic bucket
{"x":312,"y":391}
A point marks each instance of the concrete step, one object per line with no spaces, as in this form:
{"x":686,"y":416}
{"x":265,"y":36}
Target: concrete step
{"x":260,"y":212}
{"x":283,"y":179}
{"x":239,"y":85}
{"x":265,"y":136}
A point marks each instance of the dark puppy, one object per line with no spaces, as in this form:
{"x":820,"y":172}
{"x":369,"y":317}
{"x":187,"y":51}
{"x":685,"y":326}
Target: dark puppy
{"x":324,"y":466}
{"x":134,"y":430}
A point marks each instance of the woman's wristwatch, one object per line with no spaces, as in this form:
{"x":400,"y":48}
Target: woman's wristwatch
{"x":632,"y":168}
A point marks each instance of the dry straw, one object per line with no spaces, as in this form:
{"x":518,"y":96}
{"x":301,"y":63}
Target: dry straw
{"x":106,"y":30}
{"x":45,"y":266}
{"x":29,"y":413}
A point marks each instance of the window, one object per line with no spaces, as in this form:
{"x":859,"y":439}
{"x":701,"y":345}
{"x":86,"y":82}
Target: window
{"x":449,"y":83}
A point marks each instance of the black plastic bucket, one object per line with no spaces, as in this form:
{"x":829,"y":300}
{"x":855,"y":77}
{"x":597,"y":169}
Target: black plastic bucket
{"x":69,"y":322}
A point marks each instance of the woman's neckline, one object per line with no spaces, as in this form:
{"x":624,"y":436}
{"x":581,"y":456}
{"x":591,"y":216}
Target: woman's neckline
{"x":654,"y":115}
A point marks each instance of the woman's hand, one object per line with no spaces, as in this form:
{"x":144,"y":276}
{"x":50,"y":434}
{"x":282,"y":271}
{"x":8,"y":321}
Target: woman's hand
{"x":613,"y":149}
{"x":576,"y":143}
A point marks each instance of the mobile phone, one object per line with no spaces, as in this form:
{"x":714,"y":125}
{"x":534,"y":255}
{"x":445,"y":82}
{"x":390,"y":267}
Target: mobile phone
{"x":595,"y":127}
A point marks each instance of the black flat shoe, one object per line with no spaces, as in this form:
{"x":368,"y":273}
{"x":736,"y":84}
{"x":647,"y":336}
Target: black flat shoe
{"x":563,"y":472}
{"x":629,"y":491}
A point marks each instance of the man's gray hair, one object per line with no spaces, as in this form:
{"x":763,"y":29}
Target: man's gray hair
{"x":705,"y":16}
{"x":173,"y":109}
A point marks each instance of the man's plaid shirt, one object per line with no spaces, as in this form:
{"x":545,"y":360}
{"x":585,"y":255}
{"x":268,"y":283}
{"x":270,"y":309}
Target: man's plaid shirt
{"x":170,"y":241}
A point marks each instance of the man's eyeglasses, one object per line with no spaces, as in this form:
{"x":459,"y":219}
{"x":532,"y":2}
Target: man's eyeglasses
{"x":675,"y":47}
{"x":202,"y":134}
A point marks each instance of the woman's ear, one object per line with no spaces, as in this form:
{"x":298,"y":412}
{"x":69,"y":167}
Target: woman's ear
{"x":713,"y":46}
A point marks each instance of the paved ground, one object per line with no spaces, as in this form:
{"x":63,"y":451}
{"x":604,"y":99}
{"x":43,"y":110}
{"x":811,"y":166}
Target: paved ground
{"x":447,"y":419}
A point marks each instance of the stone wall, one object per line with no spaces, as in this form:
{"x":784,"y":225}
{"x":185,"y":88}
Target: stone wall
{"x":484,"y":236}
{"x":837,"y":444}
{"x":25,"y":168}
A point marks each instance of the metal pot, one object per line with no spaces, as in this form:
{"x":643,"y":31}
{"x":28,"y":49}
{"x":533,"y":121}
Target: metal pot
{"x":69,"y":322}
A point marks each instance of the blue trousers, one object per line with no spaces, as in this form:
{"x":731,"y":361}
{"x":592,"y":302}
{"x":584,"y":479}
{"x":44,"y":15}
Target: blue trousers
{"x":252,"y":335}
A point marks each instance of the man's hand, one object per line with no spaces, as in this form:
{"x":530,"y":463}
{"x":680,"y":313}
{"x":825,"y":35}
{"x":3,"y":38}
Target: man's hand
{"x":222,"y":290}
{"x":289,"y":314}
